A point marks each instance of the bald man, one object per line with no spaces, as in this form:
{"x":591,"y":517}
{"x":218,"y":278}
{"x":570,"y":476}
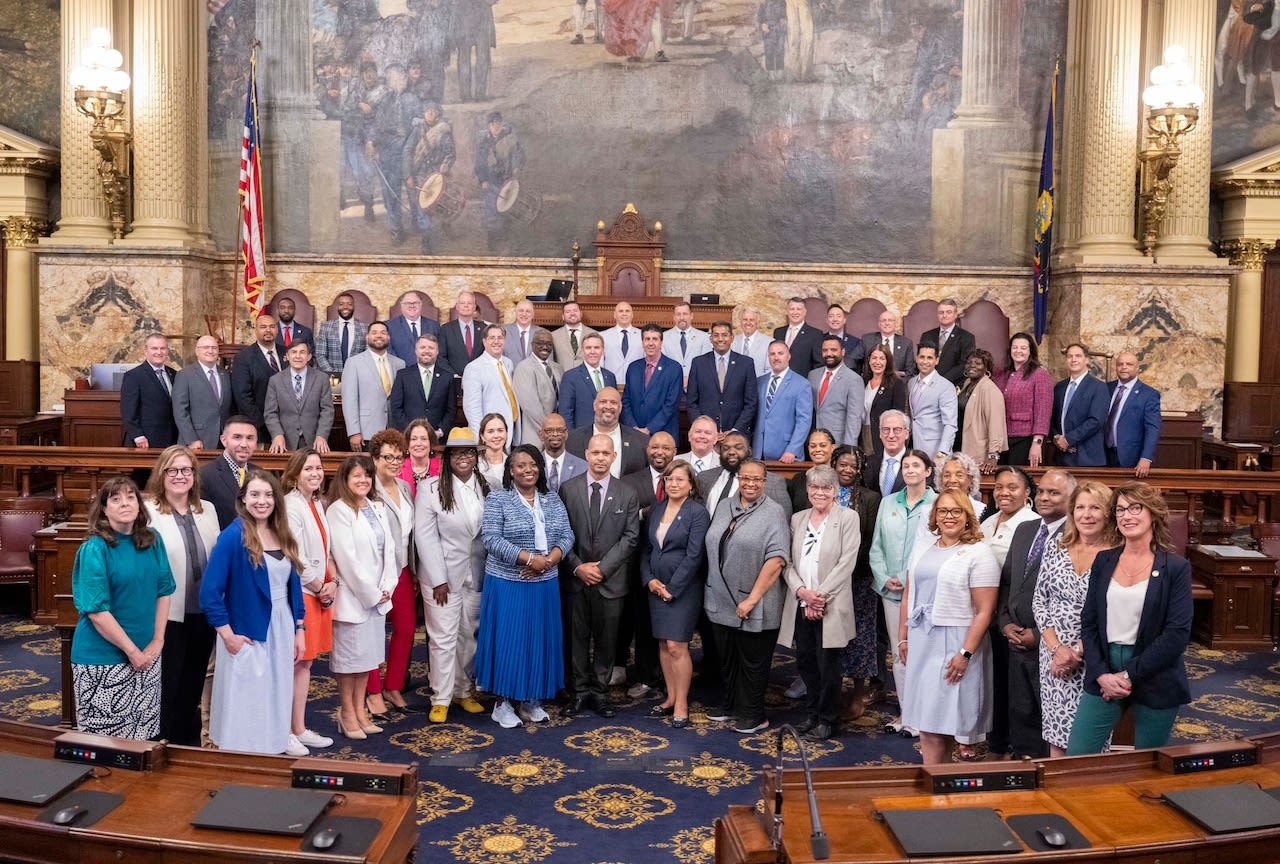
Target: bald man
{"x":1133,"y":420}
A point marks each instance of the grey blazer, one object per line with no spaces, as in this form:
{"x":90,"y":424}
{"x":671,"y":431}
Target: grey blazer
{"x":564,"y":353}
{"x":299,"y":421}
{"x":536,"y":394}
{"x":512,"y":347}
{"x":612,"y":541}
{"x":450,"y":545}
{"x":933,"y":414}
{"x":840,"y":413}
{"x":364,"y":401}
{"x":405,"y":556}
{"x":199,"y":413}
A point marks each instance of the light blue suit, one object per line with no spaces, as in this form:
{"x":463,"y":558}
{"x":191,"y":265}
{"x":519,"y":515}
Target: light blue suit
{"x":484,"y":392}
{"x":932,"y":405}
{"x":783,"y":426}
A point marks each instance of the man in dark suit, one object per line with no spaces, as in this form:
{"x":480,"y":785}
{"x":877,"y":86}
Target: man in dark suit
{"x":299,"y":407}
{"x":836,"y":321}
{"x":802,"y":340}
{"x":880,"y":473}
{"x":952,"y":341}
{"x":1080,"y":406}
{"x":604,"y":515}
{"x":202,"y":398}
{"x":718,"y":484}
{"x":252,"y":369}
{"x":899,"y":347}
{"x":289,"y":331}
{"x":405,"y":328}
{"x":409,"y":397}
{"x":221,"y":478}
{"x":655,"y":382}
{"x":630,"y":443}
{"x":146,"y":400}
{"x":1133,"y":421}
{"x":722,"y":384}
{"x":580,"y":384}
{"x":1016,"y":684}
{"x":462,"y":339}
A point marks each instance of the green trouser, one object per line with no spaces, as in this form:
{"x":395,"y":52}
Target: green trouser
{"x":1096,"y":717}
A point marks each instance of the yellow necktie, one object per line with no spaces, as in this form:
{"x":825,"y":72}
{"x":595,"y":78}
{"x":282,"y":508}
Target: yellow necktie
{"x":511,"y":394}
{"x":386,"y":379}
{"x":240,"y":472}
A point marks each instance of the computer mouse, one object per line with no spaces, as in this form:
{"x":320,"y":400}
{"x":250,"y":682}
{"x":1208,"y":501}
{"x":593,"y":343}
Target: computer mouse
{"x":326,"y":838}
{"x":67,"y":815}
{"x":1052,"y":837}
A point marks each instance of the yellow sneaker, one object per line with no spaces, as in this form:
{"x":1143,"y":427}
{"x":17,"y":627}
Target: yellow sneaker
{"x":470,"y":705}
{"x":439,"y":713}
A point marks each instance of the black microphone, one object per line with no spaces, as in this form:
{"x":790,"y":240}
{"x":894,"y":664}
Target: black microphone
{"x":818,"y":842}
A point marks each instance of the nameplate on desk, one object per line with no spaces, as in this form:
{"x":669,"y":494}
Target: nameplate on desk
{"x":992,"y":777}
{"x":1213,"y":756}
{"x":332,"y":775}
{"x":110,"y":752}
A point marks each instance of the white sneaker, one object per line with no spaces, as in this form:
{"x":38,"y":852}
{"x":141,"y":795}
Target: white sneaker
{"x":533,"y":712}
{"x":505,"y":716}
{"x":797,"y":690}
{"x":312,"y":739}
{"x":295,"y":747}
{"x":640,"y":690}
{"x":618,"y":677}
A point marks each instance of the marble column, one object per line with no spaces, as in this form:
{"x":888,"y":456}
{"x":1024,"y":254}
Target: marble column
{"x":989,"y":60}
{"x":1184,"y":235}
{"x":1244,"y":338}
{"x":1100,"y":133}
{"x":198,"y":69}
{"x":164,"y":148}
{"x":21,"y":312}
{"x":85,"y":219}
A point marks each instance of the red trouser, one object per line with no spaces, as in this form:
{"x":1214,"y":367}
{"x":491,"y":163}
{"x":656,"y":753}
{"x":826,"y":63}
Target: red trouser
{"x":404,"y":621}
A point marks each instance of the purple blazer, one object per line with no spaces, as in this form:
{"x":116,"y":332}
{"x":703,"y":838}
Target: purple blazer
{"x":1028,"y":403}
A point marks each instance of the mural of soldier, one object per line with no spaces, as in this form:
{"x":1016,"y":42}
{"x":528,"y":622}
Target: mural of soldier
{"x":499,"y":158}
{"x":392,"y":122}
{"x":580,"y":22}
{"x":473,"y":29}
{"x":359,"y":103}
{"x":429,"y":150}
{"x":772,"y":19}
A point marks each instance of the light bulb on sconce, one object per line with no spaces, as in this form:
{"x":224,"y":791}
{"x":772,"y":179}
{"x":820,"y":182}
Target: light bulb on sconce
{"x":1173,"y":103}
{"x":98,"y":86}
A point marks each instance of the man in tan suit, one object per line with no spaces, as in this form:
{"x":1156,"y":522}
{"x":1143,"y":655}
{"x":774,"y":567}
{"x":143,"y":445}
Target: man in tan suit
{"x":536,"y":381}
{"x":568,"y":339}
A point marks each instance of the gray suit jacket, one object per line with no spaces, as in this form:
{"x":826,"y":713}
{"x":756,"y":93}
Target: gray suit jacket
{"x":536,"y":394}
{"x":840,"y":413}
{"x":933,"y":414}
{"x":564,"y":353}
{"x":610,"y":539}
{"x":904,"y":353}
{"x":199,"y":413}
{"x":512,"y":346}
{"x":450,"y":546}
{"x":300,"y":422}
{"x":364,"y":401}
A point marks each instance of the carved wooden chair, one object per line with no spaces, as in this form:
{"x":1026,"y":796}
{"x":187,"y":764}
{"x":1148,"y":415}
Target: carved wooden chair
{"x":365,"y":310}
{"x":305,"y":312}
{"x":17,"y":547}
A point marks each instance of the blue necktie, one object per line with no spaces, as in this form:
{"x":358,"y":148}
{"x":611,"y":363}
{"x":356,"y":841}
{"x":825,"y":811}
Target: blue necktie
{"x":890,"y":476}
{"x":1066,"y":402}
{"x":684,"y":344}
{"x":773,"y":391}
{"x":1037,"y":552}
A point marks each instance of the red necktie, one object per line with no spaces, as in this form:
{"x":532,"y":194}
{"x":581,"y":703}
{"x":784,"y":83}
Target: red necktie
{"x":288,"y":336}
{"x":648,"y":373}
{"x":466,"y":335}
{"x":661,"y":492}
{"x":822,"y":393}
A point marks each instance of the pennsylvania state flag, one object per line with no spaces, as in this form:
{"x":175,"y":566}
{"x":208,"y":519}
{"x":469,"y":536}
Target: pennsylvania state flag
{"x":1044,"y":221}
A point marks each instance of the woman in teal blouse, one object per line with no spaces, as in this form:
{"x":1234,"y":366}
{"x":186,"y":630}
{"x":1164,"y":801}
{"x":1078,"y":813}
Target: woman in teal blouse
{"x":121,"y":585}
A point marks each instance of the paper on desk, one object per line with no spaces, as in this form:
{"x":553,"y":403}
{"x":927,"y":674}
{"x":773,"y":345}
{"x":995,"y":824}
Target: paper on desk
{"x":1232,"y":552}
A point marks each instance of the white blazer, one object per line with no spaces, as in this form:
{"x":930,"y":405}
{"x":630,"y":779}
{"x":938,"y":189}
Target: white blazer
{"x":402,"y":529}
{"x":361,"y":576}
{"x":175,"y":548}
{"x":450,"y":543}
{"x":972,"y":566}
{"x":312,"y":547}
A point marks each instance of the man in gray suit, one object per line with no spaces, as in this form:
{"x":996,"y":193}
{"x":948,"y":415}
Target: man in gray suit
{"x":366,"y":386}
{"x":899,"y":347}
{"x":838,"y":391}
{"x":605,"y":517}
{"x":536,"y":380}
{"x":932,"y":402}
{"x":202,"y":398}
{"x":299,"y":408}
{"x":561,"y":464}
{"x":520,"y":334}
{"x":718,"y":484}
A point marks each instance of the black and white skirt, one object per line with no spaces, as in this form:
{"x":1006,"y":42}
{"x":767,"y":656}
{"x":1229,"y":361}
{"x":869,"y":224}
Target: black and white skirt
{"x":117,"y":699}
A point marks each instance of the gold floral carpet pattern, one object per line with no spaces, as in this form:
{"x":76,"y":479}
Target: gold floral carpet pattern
{"x":627,"y":789}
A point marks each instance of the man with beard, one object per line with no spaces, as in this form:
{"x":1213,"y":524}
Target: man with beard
{"x":429,"y":150}
{"x":718,"y":484}
{"x":366,"y":387}
{"x":340,"y":339}
{"x":629,"y":444}
{"x":536,"y":381}
{"x":289,"y":331}
{"x":561,"y":465}
{"x":838,"y":395}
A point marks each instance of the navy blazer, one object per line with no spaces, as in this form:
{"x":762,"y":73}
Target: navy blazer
{"x":402,"y":341}
{"x":1157,"y":670}
{"x":250,"y":373}
{"x":220,"y":487}
{"x":656,"y":407}
{"x":890,"y":395}
{"x":733,"y":409}
{"x":146,"y":408}
{"x":234,"y":592}
{"x":301,"y":333}
{"x":577,"y":403}
{"x":682,"y":557}
{"x":408,"y":401}
{"x":1137,"y":427}
{"x":1085,"y":424}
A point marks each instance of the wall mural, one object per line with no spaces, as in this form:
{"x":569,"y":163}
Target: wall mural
{"x":30,"y":47}
{"x":790,"y":130}
{"x":1246,"y":98}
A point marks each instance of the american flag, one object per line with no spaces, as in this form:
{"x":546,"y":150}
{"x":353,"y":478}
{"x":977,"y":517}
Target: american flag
{"x":252,"y":247}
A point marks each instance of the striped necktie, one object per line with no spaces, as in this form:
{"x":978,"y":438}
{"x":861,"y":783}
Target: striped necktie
{"x":773,"y":391}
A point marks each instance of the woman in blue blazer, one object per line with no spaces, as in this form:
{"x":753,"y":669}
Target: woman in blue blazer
{"x":1135,"y":625}
{"x":673,"y":571}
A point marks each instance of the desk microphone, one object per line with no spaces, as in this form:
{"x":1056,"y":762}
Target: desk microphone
{"x":818,"y":842}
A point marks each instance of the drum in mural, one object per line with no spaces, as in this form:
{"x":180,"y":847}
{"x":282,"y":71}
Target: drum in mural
{"x":442,"y":198}
{"x":523,"y":205}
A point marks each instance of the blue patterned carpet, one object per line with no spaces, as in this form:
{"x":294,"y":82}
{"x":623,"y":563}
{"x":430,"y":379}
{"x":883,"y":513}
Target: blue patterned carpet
{"x":628,"y":789}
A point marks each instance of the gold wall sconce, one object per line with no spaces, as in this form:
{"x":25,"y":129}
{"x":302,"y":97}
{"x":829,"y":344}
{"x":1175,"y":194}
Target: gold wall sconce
{"x":1173,"y":107}
{"x":98,"y":87}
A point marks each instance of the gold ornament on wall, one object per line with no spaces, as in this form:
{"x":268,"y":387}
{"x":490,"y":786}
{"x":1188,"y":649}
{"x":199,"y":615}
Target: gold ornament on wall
{"x":98,"y":86}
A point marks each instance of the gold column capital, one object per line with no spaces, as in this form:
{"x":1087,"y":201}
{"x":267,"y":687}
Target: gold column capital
{"x":21,"y":232}
{"x":1247,"y":252}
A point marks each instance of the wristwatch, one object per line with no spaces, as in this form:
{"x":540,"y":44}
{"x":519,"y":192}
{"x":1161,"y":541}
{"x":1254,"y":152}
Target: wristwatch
{"x":966,"y":653}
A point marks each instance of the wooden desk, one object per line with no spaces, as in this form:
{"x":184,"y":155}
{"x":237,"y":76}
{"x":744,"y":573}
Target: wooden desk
{"x":597,"y":312}
{"x":153,"y":824}
{"x":1239,"y":616}
{"x":1230,"y":456}
{"x":1113,"y":800}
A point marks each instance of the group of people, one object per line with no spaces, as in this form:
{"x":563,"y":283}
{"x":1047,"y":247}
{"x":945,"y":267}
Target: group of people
{"x":560,"y":530}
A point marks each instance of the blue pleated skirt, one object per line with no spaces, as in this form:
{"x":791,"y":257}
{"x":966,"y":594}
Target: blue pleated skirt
{"x":519,"y":649}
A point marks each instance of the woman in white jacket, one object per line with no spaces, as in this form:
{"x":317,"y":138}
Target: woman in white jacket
{"x":364,"y":552}
{"x":189,"y":528}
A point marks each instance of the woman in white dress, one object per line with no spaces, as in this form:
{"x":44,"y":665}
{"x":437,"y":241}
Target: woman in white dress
{"x":252,"y":596}
{"x":493,"y":449}
{"x":364,"y":552}
{"x":947,"y":604}
{"x":303,"y":479}
{"x":1012,"y":496}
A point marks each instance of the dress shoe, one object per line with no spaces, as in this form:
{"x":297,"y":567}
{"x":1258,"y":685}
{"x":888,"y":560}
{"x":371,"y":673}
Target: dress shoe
{"x":679,"y":722}
{"x":578,"y":705}
{"x":439,"y":713}
{"x":657,"y":712}
{"x":382,"y":717}
{"x":605,"y":710}
{"x":821,"y":732}
{"x":371,"y":729}
{"x":469,"y":704}
{"x":357,"y":735}
{"x":809,"y":723}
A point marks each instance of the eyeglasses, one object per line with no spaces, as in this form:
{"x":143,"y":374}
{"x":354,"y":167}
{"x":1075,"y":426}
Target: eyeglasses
{"x":1132,"y":509}
{"x":894,"y":430}
{"x":754,"y":481}
{"x":950,"y":512}
{"x":389,"y":457}
{"x":179,"y":472}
